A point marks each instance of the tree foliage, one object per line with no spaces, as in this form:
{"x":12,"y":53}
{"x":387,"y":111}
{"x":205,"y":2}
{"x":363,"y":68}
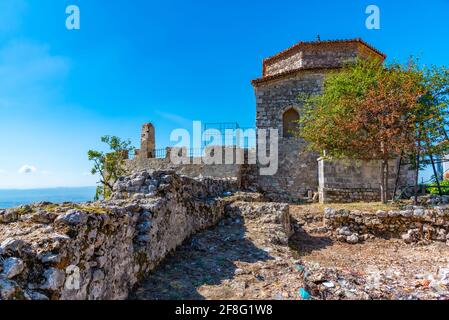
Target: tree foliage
{"x":109,"y":165}
{"x":372,"y":111}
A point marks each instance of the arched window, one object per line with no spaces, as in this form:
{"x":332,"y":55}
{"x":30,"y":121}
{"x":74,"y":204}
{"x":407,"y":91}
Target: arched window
{"x":289,"y":122}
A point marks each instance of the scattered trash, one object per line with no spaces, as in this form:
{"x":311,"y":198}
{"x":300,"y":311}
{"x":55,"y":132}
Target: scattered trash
{"x":329,"y":284}
{"x":305,"y":295}
{"x":299,"y":268}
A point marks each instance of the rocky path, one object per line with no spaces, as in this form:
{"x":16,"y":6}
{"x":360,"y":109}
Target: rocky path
{"x":239,"y":260}
{"x":236,"y":260}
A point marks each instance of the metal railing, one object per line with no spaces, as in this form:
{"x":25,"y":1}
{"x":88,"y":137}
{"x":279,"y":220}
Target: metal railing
{"x":160,"y":153}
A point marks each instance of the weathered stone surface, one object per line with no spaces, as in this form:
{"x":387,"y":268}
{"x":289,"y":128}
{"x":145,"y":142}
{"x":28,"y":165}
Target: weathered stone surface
{"x":412,"y":224}
{"x":274,"y":218}
{"x":44,"y":217}
{"x":297,"y":172}
{"x":353,"y":239}
{"x":9,"y":290}
{"x":12,"y":267}
{"x":72,"y":217}
{"x":100,"y":250}
{"x":11,"y":244}
{"x":347,"y":181}
{"x":8,"y":216}
{"x":54,"y":279}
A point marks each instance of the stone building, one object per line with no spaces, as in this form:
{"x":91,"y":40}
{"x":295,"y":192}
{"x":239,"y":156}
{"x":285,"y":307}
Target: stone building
{"x":298,"y":71}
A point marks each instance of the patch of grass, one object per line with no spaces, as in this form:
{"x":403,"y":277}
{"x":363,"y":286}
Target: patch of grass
{"x":23,"y":210}
{"x":51,"y":207}
{"x":88,"y":209}
{"x":94,"y":210}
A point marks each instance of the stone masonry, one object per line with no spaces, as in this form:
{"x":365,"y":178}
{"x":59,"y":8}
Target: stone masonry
{"x":412,"y":224}
{"x":344,"y":181}
{"x":100,"y":250}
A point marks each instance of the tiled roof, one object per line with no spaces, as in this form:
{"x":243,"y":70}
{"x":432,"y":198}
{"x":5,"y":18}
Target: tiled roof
{"x":302,"y":43}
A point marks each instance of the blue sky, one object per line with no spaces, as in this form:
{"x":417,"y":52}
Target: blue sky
{"x":168,"y":62}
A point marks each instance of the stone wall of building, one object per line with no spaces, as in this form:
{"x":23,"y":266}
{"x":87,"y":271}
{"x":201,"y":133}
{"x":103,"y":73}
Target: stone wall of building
{"x":287,"y":78}
{"x":298,"y":169}
{"x":297,"y":173}
{"x":343,"y":181}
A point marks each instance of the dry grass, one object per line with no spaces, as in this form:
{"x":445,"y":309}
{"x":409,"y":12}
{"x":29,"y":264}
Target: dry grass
{"x":88,"y":209}
{"x":361,"y":206}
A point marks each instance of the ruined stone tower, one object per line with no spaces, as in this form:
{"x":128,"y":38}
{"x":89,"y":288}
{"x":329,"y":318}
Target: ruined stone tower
{"x":148,"y":144}
{"x":298,"y":71}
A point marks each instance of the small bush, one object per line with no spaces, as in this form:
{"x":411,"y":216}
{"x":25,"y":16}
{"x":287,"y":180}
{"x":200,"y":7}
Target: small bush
{"x":433,"y":188}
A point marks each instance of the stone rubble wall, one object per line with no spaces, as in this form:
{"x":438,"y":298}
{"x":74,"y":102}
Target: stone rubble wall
{"x":413,"y":224}
{"x":100,"y":250}
{"x":113,"y":243}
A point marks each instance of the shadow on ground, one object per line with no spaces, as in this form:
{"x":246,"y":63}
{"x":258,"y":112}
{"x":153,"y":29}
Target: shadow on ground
{"x":302,"y":243}
{"x":207,"y":258}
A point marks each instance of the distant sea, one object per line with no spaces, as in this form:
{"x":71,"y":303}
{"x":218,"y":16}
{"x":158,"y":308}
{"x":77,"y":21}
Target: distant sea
{"x":14,"y":198}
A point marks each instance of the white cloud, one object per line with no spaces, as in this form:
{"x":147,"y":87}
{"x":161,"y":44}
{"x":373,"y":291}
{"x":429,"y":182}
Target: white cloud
{"x":2,"y":171}
{"x":27,"y":169}
{"x":179,"y":120}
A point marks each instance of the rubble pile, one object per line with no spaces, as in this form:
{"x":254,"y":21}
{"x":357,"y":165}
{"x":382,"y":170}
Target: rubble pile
{"x":322,"y":283}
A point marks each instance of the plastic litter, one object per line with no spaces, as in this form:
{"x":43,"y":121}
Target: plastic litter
{"x":329,"y":284}
{"x":299,"y":268}
{"x":305,"y":295}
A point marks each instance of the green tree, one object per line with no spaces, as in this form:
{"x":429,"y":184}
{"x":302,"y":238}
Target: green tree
{"x":432,"y":120}
{"x":109,"y":165}
{"x":368,"y":111}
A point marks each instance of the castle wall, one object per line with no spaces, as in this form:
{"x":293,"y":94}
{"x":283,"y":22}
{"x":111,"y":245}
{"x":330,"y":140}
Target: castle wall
{"x":190,"y":170}
{"x":245,"y":174}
